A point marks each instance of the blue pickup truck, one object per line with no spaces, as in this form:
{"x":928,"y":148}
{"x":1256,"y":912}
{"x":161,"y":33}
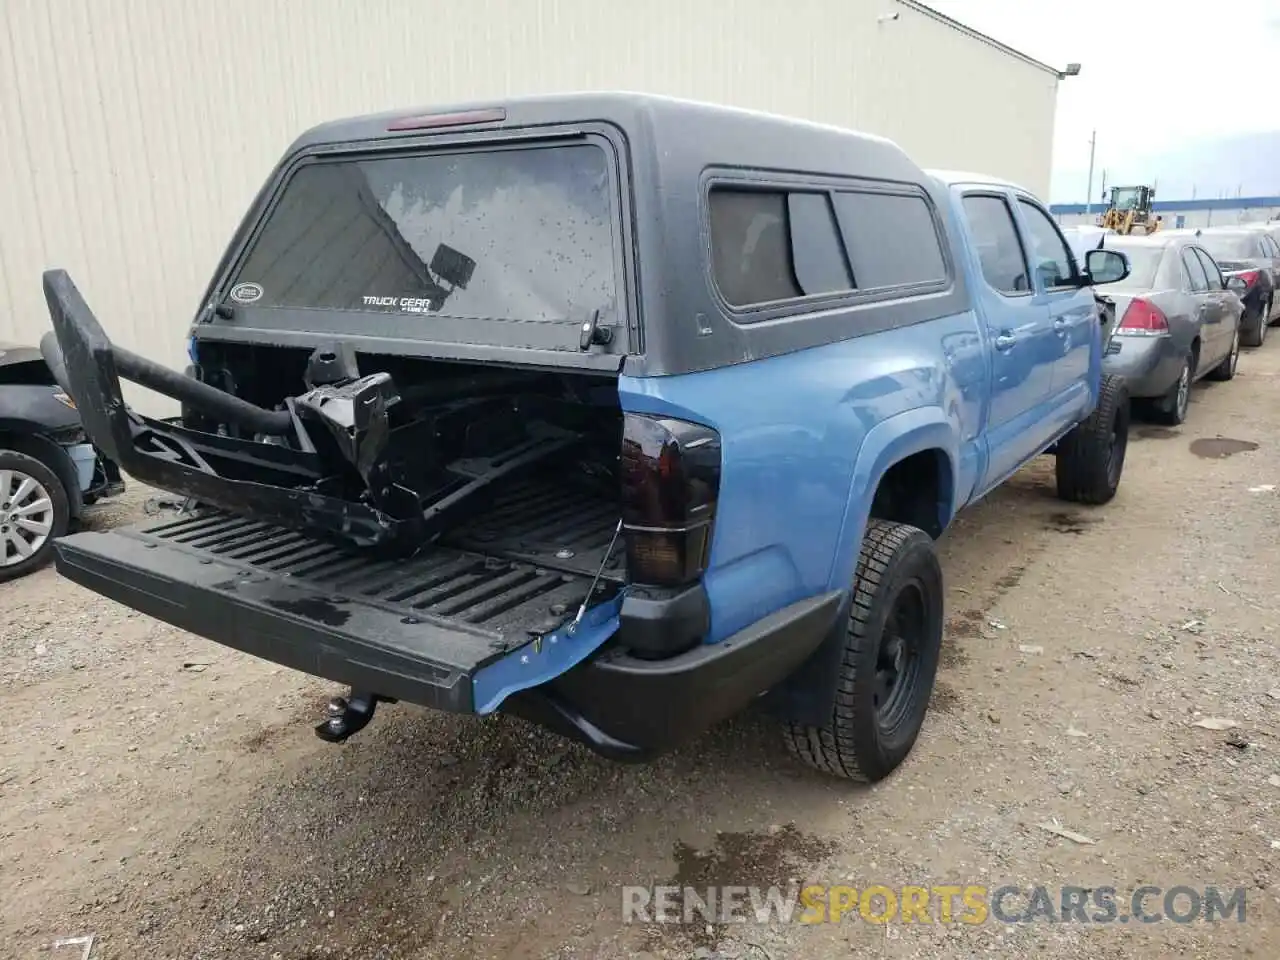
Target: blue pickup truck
{"x":613,"y":412}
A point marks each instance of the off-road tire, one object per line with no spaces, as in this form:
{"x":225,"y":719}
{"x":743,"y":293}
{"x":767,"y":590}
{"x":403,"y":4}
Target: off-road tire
{"x":853,"y":743}
{"x":61,"y":511}
{"x":1091,"y":457}
{"x":1226,"y":370}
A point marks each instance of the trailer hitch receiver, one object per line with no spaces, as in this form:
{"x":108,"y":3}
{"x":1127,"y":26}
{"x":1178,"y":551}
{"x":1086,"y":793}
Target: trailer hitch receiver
{"x":348,"y":715}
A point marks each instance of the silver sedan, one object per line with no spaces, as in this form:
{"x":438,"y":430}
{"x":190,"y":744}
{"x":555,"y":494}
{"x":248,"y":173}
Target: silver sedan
{"x":1179,"y":320}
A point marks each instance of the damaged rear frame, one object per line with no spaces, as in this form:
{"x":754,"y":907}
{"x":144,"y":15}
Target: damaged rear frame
{"x":277,"y":482}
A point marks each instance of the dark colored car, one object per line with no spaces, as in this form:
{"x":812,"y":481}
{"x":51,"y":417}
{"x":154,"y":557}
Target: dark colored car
{"x":49,"y":471}
{"x":1250,"y":253}
{"x":1179,"y":321}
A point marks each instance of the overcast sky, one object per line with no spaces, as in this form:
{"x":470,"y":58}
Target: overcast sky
{"x":1157,"y":78}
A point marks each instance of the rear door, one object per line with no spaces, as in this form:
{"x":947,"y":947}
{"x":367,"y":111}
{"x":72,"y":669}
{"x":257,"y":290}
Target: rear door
{"x":1218,"y":313}
{"x":1072,"y":309}
{"x":1023,"y":344}
{"x":1200,"y":311}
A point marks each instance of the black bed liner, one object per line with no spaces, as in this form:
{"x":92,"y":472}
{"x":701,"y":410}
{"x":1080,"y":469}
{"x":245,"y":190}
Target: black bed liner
{"x":414,"y":628}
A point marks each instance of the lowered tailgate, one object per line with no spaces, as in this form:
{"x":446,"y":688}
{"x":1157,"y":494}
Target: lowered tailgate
{"x":416,"y":629}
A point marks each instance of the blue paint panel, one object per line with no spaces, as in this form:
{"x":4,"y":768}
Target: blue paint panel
{"x":794,"y":427}
{"x":527,"y":667}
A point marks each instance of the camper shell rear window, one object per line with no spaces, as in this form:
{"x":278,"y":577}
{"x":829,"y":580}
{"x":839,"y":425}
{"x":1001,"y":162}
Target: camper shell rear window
{"x":525,"y":234}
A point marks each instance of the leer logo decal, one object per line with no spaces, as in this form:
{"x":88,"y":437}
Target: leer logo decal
{"x":246,"y":292}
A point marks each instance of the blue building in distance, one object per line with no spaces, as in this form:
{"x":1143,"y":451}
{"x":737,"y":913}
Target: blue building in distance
{"x":1201,"y":212}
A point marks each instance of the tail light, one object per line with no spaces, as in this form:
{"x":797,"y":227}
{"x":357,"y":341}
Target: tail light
{"x":1250,"y":277}
{"x":670,"y":484}
{"x":1144,"y":318}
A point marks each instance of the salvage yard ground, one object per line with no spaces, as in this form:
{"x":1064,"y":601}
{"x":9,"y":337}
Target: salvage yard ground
{"x":167,"y":796}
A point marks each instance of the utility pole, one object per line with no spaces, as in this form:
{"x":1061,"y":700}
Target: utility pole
{"x":1088,"y":194}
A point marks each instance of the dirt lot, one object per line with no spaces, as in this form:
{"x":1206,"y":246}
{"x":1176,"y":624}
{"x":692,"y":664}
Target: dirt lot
{"x":167,"y":795}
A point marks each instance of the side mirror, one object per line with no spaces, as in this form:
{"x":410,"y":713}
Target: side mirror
{"x":1237,"y":286}
{"x":1105,"y":266}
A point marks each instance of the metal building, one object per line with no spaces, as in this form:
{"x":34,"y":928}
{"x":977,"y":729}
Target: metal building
{"x":134,"y":134}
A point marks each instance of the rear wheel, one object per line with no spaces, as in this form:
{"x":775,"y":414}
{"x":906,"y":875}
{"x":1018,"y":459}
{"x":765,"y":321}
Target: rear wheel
{"x":1226,"y":370}
{"x":1172,"y":407}
{"x":891,"y":647}
{"x":33,"y":512}
{"x":1255,"y":328}
{"x":1091,"y":457}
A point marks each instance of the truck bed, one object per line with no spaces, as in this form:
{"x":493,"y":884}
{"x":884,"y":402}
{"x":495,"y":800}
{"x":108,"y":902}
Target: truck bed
{"x":415,"y":628}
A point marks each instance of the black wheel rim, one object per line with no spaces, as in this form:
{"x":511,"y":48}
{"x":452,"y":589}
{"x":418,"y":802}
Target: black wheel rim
{"x":1119,"y":442}
{"x":1183,"y":396}
{"x":897,"y":678}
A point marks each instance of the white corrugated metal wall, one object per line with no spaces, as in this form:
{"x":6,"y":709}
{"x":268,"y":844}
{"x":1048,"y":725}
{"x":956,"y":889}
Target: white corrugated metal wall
{"x":134,"y":133}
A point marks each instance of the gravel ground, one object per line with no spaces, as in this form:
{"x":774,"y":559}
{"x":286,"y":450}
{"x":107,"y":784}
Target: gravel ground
{"x":167,"y":795}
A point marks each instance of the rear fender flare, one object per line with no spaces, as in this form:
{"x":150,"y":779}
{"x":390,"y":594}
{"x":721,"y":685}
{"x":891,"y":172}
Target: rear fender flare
{"x":887,"y":443}
{"x":808,"y":696}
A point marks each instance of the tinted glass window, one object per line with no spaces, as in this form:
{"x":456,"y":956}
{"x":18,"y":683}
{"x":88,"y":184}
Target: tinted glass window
{"x":892,"y":239}
{"x":751,"y":246}
{"x":1211,"y":271}
{"x":1195,"y":272}
{"x":1049,"y":253}
{"x":1269,"y":245}
{"x":819,"y":256}
{"x":999,"y":251}
{"x":512,"y":234}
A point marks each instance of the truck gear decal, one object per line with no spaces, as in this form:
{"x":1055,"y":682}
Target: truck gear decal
{"x":404,"y":304}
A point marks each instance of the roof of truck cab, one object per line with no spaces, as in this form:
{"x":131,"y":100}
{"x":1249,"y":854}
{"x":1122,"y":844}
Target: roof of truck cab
{"x":686,"y":128}
{"x":952,"y":177}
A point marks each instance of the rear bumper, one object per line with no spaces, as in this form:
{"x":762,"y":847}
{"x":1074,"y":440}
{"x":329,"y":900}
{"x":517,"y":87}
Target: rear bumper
{"x":434,"y":629}
{"x":1149,"y":365}
{"x":631,"y":709}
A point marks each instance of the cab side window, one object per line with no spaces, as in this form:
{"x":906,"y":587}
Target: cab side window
{"x":1050,"y":254}
{"x":1000,"y":253}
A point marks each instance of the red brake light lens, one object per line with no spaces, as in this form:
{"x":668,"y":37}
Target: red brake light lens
{"x":1250,"y":277}
{"x":431,"y":120}
{"x":670,"y":473}
{"x":1144,"y":318}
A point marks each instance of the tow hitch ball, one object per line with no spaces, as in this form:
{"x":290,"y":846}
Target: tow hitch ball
{"x":349,"y":715}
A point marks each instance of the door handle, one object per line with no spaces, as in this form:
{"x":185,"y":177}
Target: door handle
{"x":1005,"y":341}
{"x":1060,"y":324}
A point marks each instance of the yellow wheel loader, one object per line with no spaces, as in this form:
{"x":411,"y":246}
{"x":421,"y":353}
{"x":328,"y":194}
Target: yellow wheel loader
{"x":1130,"y":211}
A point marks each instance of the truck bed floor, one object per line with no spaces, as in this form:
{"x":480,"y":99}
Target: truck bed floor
{"x":515,"y":565}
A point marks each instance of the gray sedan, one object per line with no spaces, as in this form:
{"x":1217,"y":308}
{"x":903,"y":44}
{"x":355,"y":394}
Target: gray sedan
{"x":1179,"y":320}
